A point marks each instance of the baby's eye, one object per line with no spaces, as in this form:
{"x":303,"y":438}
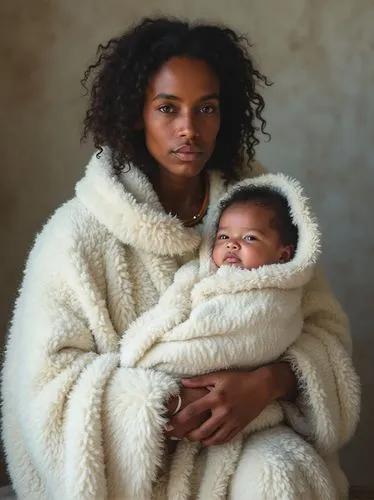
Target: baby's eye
{"x":250,"y":237}
{"x":166,"y":108}
{"x":222,"y":237}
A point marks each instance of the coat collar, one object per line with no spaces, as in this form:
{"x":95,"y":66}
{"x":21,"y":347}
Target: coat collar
{"x":129,"y":208}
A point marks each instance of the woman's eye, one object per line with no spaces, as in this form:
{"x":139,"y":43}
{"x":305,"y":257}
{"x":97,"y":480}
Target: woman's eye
{"x":208,"y":109}
{"x":166,"y":108}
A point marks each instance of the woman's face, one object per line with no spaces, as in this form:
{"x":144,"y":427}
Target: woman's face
{"x":181,"y":116}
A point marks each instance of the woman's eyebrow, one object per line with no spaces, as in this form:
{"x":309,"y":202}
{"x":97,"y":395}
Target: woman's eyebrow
{"x":163,"y":95}
{"x":171,"y":97}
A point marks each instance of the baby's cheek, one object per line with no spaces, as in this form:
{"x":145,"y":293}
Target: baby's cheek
{"x":217,"y":255}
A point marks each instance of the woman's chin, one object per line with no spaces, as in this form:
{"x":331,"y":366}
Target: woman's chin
{"x":185,"y":170}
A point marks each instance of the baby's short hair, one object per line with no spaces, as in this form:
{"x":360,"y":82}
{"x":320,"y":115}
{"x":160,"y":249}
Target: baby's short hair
{"x":273,"y":200}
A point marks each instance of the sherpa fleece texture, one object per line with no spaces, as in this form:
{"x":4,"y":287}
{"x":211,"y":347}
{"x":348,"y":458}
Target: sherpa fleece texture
{"x":72,"y":413}
{"x":210,"y":319}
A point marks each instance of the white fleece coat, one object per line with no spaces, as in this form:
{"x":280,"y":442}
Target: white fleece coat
{"x":75,"y":421}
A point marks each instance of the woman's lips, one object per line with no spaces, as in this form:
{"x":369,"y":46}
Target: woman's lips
{"x":188,"y":157}
{"x":187,"y":153}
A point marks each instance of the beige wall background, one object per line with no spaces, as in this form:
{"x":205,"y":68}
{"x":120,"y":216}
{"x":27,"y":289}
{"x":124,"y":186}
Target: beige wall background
{"x":320,"y":112}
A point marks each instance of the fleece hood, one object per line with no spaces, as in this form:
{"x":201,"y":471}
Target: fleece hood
{"x":129,"y":208}
{"x":294,"y":273}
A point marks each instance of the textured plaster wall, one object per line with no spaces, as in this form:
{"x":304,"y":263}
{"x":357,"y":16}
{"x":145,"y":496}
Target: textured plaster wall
{"x":320,"y":112}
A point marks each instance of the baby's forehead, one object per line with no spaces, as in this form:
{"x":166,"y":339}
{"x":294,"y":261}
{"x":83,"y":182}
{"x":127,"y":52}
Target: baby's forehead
{"x":242,"y":209}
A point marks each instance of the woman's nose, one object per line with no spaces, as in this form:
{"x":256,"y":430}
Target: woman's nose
{"x":187,"y":127}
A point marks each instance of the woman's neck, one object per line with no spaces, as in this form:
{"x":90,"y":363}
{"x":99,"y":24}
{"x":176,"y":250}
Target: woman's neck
{"x":180,"y":196}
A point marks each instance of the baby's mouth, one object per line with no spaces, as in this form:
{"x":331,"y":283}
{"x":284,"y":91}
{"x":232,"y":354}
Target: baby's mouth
{"x":231,"y":259}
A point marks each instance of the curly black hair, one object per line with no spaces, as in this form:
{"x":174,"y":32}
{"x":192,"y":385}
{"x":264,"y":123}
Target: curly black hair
{"x":122,"y":71}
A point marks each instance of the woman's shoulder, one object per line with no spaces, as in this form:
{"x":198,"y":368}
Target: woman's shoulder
{"x":219,"y":185}
{"x":71,"y":223}
{"x":69,"y":232}
{"x":253,"y":169}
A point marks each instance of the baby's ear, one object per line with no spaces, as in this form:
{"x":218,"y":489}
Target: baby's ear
{"x":287,"y":254}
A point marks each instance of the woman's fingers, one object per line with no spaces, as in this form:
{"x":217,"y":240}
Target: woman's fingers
{"x":207,"y":429}
{"x":209,"y":379}
{"x":231,"y":434}
{"x":180,"y":431}
{"x":196,"y":409}
{"x":223,"y":435}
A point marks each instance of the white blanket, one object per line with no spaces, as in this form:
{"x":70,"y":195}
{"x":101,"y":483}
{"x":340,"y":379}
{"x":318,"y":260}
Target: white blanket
{"x":230,"y":318}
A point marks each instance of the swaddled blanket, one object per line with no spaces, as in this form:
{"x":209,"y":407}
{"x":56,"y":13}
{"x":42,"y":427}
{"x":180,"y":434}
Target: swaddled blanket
{"x":212,"y":319}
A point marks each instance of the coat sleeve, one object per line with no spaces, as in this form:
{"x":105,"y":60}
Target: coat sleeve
{"x":72,"y":416}
{"x":328,"y":405}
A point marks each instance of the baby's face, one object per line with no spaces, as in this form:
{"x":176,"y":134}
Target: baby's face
{"x":245,"y":238}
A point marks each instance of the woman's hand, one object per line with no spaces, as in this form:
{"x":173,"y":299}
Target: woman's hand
{"x":235,"y":398}
{"x":188,"y":396}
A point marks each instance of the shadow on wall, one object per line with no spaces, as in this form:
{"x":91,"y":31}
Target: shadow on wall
{"x":4,"y":480}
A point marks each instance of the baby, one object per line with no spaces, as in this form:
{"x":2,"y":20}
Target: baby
{"x":255,"y":229}
{"x":238,"y":306}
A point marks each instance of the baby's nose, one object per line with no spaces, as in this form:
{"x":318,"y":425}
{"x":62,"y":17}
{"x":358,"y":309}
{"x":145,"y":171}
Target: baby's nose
{"x":232,"y":244}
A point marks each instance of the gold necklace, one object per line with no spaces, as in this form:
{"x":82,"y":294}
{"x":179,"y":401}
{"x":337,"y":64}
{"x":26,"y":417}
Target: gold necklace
{"x":193,"y":221}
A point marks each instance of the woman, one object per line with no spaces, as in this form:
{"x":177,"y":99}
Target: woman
{"x":174,"y":112}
